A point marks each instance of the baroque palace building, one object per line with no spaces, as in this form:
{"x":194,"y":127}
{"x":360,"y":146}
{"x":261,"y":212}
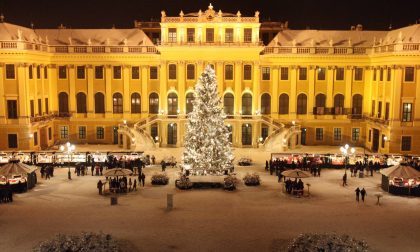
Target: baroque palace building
{"x":134,"y":87}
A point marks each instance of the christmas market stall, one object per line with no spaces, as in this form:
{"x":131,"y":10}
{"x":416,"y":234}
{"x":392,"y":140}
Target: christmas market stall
{"x":20,"y":177}
{"x":401,"y":179}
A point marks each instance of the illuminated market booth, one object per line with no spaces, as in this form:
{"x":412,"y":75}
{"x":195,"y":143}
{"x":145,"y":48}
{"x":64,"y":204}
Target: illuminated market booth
{"x":401,"y":179}
{"x":21,"y":177}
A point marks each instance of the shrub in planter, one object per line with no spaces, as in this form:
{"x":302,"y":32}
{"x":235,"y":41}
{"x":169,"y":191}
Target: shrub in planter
{"x":230,"y":182}
{"x":252,"y":179}
{"x":184,"y":183}
{"x":160,"y":179}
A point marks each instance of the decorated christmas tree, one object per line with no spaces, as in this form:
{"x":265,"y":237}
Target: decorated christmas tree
{"x":207,"y":146}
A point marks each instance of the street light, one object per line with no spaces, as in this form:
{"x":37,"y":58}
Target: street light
{"x":68,"y":149}
{"x":345,"y":151}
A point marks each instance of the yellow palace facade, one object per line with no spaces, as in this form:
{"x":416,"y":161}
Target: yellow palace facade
{"x":116,"y":86}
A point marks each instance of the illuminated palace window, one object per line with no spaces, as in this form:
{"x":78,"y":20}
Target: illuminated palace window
{"x":80,"y":72}
{"x":247,"y":72}
{"x":319,"y":134}
{"x":190,"y":35}
{"x":153,"y":103}
{"x":135,"y":72}
{"x":284,"y":73}
{"x":190,"y":72}
{"x":358,"y":74}
{"x":81,"y":102}
{"x":229,"y":35}
{"x":409,"y":74}
{"x":407,"y":112}
{"x":247,"y":35}
{"x":303,"y":73}
{"x":339,"y":74}
{"x":321,"y":73}
{"x":172,"y":35}
{"x":229,"y":72}
{"x":135,"y":103}
{"x":209,"y":35}
{"x":117,"y":102}
{"x":99,"y":72}
{"x":10,"y":71}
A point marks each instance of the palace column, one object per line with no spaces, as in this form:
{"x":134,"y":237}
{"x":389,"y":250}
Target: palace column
{"x":72,"y":89}
{"x":330,"y":89}
{"x":90,"y":95}
{"x":2,"y":98}
{"x":238,"y":86}
{"x":256,"y":88}
{"x":293,"y":97}
{"x":163,"y":87}
{"x":181,"y":89}
{"x":35,"y":90}
{"x":396,"y":97}
{"x":108,"y":92}
{"x":23,"y":91}
{"x":126,"y":91}
{"x":311,"y":91}
{"x":219,"y":77}
{"x":367,"y":93}
{"x":52,"y":89}
{"x":275,"y":92}
{"x":347,"y":92}
{"x":144,"y":90}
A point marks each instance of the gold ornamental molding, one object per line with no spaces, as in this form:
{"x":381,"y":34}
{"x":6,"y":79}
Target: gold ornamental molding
{"x":89,"y":66}
{"x":349,"y":67}
{"x":71,"y":66}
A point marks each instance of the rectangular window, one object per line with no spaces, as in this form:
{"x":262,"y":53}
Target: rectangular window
{"x":209,"y":35}
{"x":62,"y":72}
{"x":229,"y":35}
{"x":47,"y":110}
{"x":172,"y":71}
{"x":135,"y":73}
{"x":229,"y":72}
{"x":358,"y":74}
{"x":355,"y":134}
{"x":284,"y":73}
{"x":172,"y":35}
{"x":153,"y":73}
{"x":319,"y":134}
{"x":247,"y":72}
{"x":190,"y":72}
{"x":10,"y":71}
{"x":190,"y":35}
{"x":337,"y":134}
{"x":100,"y":133}
{"x":99,"y":72}
{"x":373,"y":108}
{"x":12,"y":109}
{"x":117,"y":72}
{"x":407,"y":112}
{"x":64,"y":132}
{"x":32,"y":107}
{"x":12,"y":140}
{"x":321,"y":73}
{"x":302,"y":73}
{"x":38,"y":72}
{"x":45,"y":72}
{"x":35,"y":138}
{"x":82,"y":132}
{"x":31,"y":74}
{"x":381,"y":74}
{"x":247,"y":35}
{"x":374,"y":74}
{"x":387,"y":111}
{"x":40,"y":107}
{"x":370,"y":136}
{"x":339,"y":74}
{"x":409,"y":74}
{"x":265,"y":73}
{"x":80,"y":72}
{"x":405,"y":143}
{"x":49,"y":133}
{"x":388,"y":74}
{"x":379,"y":109}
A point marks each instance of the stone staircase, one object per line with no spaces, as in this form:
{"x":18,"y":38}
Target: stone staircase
{"x":278,"y":140}
{"x":140,"y":140}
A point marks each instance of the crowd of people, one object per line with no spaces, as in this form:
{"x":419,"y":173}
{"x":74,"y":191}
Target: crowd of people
{"x":294,"y":186}
{"x":47,"y":171}
{"x":122,"y":184}
{"x":6,"y":193}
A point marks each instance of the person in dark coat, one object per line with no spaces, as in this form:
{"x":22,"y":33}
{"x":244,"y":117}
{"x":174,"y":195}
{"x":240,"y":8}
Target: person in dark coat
{"x":363,"y":193}
{"x":345,"y":179}
{"x":266,"y":165}
{"x":143,"y":178}
{"x":99,"y":186}
{"x":163,"y":164}
{"x":135,"y":185}
{"x":357,"y":194}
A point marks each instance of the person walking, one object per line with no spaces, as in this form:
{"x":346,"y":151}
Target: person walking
{"x":143,"y":178}
{"x":130,"y":183}
{"x":99,"y":186}
{"x":135,"y":185}
{"x":357,"y":194}
{"x":363,"y":193}
{"x":163,"y":164}
{"x":345,"y":179}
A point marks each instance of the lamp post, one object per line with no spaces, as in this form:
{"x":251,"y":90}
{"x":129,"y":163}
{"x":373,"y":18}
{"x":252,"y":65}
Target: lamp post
{"x":68,"y":149}
{"x":345,"y":151}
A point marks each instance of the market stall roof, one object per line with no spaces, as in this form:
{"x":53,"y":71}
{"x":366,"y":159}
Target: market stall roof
{"x":296,"y":173}
{"x":401,"y":171}
{"x":15,"y":168}
{"x":117,"y":172}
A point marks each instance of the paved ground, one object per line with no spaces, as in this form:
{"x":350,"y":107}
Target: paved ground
{"x":249,"y":219}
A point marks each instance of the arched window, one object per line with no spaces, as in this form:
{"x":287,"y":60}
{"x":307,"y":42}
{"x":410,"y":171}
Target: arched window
{"x":338,"y":104}
{"x":357,"y":104}
{"x":63,"y":103}
{"x":135,"y":103}
{"x":189,"y":103}
{"x":246,"y":104}
{"x":172,"y":133}
{"x":99,"y":103}
{"x":265,"y":104}
{"x":172,"y":104}
{"x":301,"y":104}
{"x":153,"y":103}
{"x":81,"y":102}
{"x":320,"y":104}
{"x":284,"y":104}
{"x":228,"y":102}
{"x":117,"y":101}
{"x":246,"y":134}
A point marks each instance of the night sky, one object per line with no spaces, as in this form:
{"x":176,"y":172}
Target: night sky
{"x":301,"y":14}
